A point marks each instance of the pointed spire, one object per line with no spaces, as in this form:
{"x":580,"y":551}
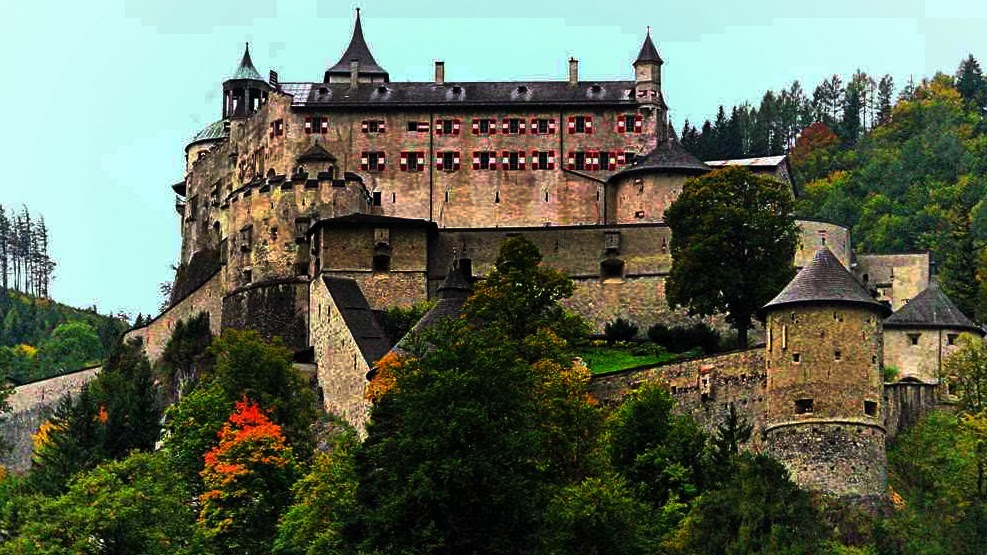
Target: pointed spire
{"x":246,"y":69}
{"x":648,"y":51}
{"x":360,"y":52}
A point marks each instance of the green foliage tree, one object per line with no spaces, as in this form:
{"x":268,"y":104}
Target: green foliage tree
{"x":192,"y":428}
{"x":71,"y":346}
{"x":119,"y":507}
{"x":619,"y":329}
{"x":187,"y":354}
{"x":733,"y":242}
{"x":399,"y":320}
{"x":967,"y":368}
{"x":970,"y":83}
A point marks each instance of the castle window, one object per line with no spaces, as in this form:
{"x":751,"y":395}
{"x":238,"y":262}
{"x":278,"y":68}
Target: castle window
{"x":484,"y":126}
{"x":376,"y":198}
{"x":583,"y":160}
{"x":248,"y":275}
{"x":513,"y":126}
{"x":447,"y":126}
{"x":418,"y":127}
{"x":513,"y":160}
{"x":543,"y":126}
{"x":837,"y":316}
{"x":951,"y":338}
{"x":496,"y":197}
{"x":837,"y":355}
{"x":246,"y":238}
{"x":484,"y":160}
{"x":224,"y":252}
{"x":373,"y":126}
{"x":316,"y":124}
{"x":447,"y":160}
{"x":543,"y":159}
{"x":382,"y":263}
{"x":610,"y":160}
{"x":580,"y":124}
{"x":612,"y":268}
{"x":796,"y":357}
{"x":301,"y":228}
{"x":373,"y":161}
{"x":803,"y":406}
{"x":412,"y":161}
{"x":193,"y":208}
{"x":277,"y":128}
{"x":822,"y":237}
{"x":630,"y":123}
{"x":870,"y":408}
{"x":913,"y":338}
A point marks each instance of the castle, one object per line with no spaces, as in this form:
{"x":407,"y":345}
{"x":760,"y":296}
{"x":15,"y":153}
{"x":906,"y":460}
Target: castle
{"x":309,"y":205}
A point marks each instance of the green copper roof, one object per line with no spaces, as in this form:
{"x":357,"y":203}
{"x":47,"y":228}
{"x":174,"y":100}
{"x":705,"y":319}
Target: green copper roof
{"x":214,"y":131}
{"x":246,"y":69}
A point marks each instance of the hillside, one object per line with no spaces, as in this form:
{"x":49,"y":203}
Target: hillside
{"x":40,"y":337}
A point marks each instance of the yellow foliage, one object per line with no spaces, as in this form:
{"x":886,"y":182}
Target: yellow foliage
{"x":26,"y":350}
{"x":43,"y":436}
{"x":384,"y":380}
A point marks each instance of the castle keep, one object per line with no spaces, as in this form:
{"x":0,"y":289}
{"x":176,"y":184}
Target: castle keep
{"x":310,"y":205}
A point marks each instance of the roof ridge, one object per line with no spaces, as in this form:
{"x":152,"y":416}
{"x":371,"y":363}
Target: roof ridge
{"x":824,"y":280}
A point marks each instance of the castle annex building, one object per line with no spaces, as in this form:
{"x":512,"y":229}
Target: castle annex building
{"x":311,"y":204}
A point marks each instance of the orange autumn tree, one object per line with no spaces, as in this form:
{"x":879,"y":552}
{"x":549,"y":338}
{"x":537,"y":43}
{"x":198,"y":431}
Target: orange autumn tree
{"x":247,"y":480}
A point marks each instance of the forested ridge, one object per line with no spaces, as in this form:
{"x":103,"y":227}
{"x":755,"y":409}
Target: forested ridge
{"x":905,"y":169}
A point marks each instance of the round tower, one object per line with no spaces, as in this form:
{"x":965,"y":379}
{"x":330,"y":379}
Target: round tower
{"x":647,"y":88}
{"x":825,"y":411}
{"x":245,"y":91}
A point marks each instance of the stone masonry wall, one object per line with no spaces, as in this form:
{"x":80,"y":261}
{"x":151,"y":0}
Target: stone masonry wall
{"x":704,"y":388}
{"x":274,"y":309}
{"x":31,"y":404}
{"x":342,"y":369}
{"x":897,"y":278}
{"x":207,"y":298}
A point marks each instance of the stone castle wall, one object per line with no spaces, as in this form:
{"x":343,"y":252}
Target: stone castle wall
{"x":31,"y":404}
{"x":207,"y":298}
{"x":276,"y":309}
{"x":896,"y":278}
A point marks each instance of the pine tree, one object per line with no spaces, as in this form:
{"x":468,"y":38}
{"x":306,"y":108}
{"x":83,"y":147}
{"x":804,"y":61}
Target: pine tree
{"x":970,"y":83}
{"x":4,"y":247}
{"x":885,"y":92}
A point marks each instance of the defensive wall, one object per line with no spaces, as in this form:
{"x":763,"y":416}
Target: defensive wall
{"x":31,"y":404}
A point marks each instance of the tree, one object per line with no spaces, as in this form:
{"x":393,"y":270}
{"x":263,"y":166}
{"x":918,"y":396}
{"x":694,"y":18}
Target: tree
{"x":187,"y":354}
{"x":119,"y":507}
{"x":247,"y":478}
{"x":970,"y":83}
{"x":885,"y":95}
{"x":733,"y":242}
{"x":967,"y":368}
{"x":71,"y":346}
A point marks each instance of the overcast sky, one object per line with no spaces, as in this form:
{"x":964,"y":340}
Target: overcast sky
{"x":100,"y":97}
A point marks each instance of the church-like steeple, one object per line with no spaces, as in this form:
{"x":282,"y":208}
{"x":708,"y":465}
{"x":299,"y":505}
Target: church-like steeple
{"x":246,"y":69}
{"x":358,"y":51}
{"x":649,"y":53}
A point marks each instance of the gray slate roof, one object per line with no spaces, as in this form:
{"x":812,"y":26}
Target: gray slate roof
{"x":359,"y":51}
{"x":648,"y":52}
{"x":483,"y":93}
{"x":669,"y":155}
{"x":212,"y":132}
{"x":358,"y":316}
{"x":451,"y":297}
{"x":246,"y":69}
{"x":931,"y":309}
{"x":316,"y":153}
{"x":824,"y":280}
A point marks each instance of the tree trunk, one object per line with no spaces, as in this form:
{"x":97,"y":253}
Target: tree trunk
{"x":742,"y":328}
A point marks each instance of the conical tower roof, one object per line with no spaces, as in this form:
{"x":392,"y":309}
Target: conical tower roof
{"x":246,"y":69}
{"x":931,"y":309}
{"x":824,"y":280}
{"x":648,"y":52}
{"x":359,"y":51}
{"x":668,"y":156}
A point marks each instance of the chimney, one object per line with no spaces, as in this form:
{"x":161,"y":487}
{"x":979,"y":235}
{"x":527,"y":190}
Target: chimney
{"x":354,"y":73}
{"x":573,"y":71}
{"x":440,"y":72}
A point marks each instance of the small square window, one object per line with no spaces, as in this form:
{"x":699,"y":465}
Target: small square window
{"x":870,"y":408}
{"x":796,"y":357}
{"x":913,"y":338}
{"x":951,"y":338}
{"x":837,"y":355}
{"x":803,"y":406}
{"x":412,"y":127}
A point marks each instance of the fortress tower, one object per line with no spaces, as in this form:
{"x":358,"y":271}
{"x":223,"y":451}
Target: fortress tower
{"x":825,"y":415}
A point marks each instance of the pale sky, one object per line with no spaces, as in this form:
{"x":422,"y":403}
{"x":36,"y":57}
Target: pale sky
{"x":100,"y":97}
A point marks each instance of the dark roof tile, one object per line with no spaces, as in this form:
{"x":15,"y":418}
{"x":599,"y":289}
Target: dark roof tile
{"x":931,"y":309}
{"x":669,"y":155}
{"x":246,"y":69}
{"x":358,"y":316}
{"x":824,"y":280}
{"x":648,"y":52}
{"x":359,"y":51}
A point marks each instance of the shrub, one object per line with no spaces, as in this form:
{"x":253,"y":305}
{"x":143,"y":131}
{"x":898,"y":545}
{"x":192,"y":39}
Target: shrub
{"x":680,"y":339}
{"x":619,"y":330}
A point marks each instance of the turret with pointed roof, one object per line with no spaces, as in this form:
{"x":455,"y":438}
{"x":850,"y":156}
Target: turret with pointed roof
{"x":358,"y":52}
{"x":825,"y":409}
{"x":648,"y":53}
{"x":244,"y":91}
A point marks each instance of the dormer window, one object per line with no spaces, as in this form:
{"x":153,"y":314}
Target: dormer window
{"x":381,"y":89}
{"x":522,"y":89}
{"x":457,"y":90}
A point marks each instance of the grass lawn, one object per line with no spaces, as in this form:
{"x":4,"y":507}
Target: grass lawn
{"x":601,"y":360}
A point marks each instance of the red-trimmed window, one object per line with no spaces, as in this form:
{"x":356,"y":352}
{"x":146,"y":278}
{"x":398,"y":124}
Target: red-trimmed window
{"x":372,"y":161}
{"x":373,"y":126}
{"x":316,"y":124}
{"x":543,"y":159}
{"x":418,"y":127}
{"x":630,"y":123}
{"x":587,"y":160}
{"x":447,"y":160}
{"x":484,"y":126}
{"x":512,"y":126}
{"x":512,"y":160}
{"x":413,"y":161}
{"x":277,"y":128}
{"x":542,"y":126}
{"x":484,"y":160}
{"x":610,"y":160}
{"x":448,"y":126}
{"x":580,"y":124}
